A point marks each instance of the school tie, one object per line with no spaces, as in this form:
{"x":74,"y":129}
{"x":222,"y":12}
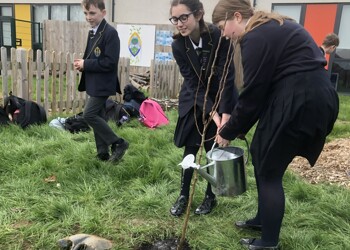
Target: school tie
{"x":90,"y":41}
{"x":91,"y":34}
{"x":199,"y":52}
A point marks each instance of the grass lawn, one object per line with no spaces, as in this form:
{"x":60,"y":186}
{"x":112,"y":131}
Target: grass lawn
{"x":128,"y":203}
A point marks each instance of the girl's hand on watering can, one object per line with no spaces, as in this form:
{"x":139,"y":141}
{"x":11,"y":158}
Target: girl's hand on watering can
{"x":221,"y":141}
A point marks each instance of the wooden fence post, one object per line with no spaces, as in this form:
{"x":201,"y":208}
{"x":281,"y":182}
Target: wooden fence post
{"x":74,"y":85}
{"x":69,"y":84}
{"x":4,"y":72}
{"x":39,"y":68}
{"x":61,"y":71}
{"x":151,"y":78}
{"x":46,"y":79}
{"x":23,"y":74}
{"x":14,"y":71}
{"x":30,"y":74}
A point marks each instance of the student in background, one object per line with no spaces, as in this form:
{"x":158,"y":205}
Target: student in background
{"x":100,"y":79}
{"x":329,"y":44}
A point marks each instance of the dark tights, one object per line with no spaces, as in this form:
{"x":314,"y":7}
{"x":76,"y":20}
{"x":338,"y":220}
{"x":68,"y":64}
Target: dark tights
{"x":271,"y":206}
{"x":187,"y":174}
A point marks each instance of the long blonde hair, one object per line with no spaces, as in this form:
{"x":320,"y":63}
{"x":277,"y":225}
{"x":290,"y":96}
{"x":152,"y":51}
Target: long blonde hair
{"x":225,"y":10}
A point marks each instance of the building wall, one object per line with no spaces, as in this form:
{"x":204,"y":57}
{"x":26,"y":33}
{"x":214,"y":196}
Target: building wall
{"x":157,"y":11}
{"x":23,"y":29}
{"x":151,"y":11}
{"x":267,"y":4}
{"x":41,"y":1}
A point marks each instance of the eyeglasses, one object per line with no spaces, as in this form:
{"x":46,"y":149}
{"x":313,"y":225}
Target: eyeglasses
{"x":183,"y":18}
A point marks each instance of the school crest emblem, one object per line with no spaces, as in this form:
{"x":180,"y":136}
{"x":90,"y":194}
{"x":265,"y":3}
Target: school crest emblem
{"x":134,"y":44}
{"x":97,"y":51}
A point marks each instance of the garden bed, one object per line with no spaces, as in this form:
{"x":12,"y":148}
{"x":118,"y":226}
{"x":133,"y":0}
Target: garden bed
{"x":333,"y":165}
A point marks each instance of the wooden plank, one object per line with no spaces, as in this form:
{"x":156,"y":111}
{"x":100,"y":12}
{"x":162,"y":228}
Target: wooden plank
{"x":60,"y":80}
{"x":14,"y":70}
{"x":74,"y":85}
{"x":47,"y":62}
{"x":4,"y":72}
{"x":151,"y":78}
{"x":30,"y":75}
{"x":69,"y":70}
{"x":54,"y":82}
{"x":39,"y":68}
{"x":22,"y":77}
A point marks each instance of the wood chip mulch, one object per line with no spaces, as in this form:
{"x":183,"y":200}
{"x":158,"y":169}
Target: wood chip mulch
{"x":333,"y":165}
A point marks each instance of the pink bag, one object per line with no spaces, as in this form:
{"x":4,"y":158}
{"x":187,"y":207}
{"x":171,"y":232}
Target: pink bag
{"x":152,"y":114}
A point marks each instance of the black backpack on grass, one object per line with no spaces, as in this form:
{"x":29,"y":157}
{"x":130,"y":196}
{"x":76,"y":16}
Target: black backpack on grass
{"x":4,"y":119}
{"x":116,"y":112}
{"x":76,"y":124}
{"x":23,"y":112}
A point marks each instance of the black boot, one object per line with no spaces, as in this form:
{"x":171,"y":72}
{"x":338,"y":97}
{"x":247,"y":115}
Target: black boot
{"x":179,"y":206}
{"x":207,"y":205}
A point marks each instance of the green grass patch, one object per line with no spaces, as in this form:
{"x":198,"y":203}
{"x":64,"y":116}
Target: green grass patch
{"x":129,"y":202}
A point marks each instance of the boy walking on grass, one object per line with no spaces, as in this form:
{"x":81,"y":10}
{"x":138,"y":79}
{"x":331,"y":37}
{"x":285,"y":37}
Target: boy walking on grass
{"x":99,"y":79}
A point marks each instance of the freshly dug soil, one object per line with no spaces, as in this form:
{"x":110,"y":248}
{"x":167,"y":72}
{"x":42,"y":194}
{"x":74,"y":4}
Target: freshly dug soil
{"x":167,"y":244}
{"x":333,"y":165}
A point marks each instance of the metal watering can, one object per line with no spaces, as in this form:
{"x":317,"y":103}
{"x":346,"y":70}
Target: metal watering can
{"x":226,"y":167}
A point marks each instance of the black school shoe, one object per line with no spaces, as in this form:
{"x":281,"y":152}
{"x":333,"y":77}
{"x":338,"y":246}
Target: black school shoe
{"x":118,"y":150}
{"x":179,"y":206}
{"x":247,"y":225}
{"x":103,"y":156}
{"x":207,"y":205}
{"x":249,"y":242}
{"x":253,"y":247}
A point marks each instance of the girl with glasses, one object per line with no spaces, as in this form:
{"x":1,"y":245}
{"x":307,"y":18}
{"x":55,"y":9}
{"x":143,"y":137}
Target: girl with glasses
{"x":207,"y":78}
{"x":288,"y":92}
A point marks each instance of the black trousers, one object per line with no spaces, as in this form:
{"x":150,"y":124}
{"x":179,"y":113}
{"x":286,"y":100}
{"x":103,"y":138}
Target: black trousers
{"x":94,"y":114}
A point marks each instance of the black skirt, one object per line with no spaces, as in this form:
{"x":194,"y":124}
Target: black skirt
{"x":299,"y":114}
{"x":187,"y":133}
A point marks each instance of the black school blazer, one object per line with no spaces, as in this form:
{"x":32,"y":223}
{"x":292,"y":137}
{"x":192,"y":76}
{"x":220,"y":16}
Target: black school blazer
{"x":100,"y":74}
{"x":191,"y":69}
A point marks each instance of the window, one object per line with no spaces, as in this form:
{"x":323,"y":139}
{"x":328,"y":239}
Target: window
{"x":6,"y":34}
{"x":71,"y":12}
{"x":76,"y":13}
{"x":5,"y":26}
{"x":293,"y":11}
{"x":41,"y":13}
{"x":6,"y":11}
{"x":344,"y":45}
{"x":59,"y":12}
{"x":341,"y":64}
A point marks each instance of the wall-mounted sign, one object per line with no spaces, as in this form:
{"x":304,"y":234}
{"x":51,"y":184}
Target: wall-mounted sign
{"x":137,"y":43}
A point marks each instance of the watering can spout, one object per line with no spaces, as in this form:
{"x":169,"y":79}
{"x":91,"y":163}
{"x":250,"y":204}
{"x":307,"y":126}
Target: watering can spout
{"x":203,"y":172}
{"x":189,"y":161}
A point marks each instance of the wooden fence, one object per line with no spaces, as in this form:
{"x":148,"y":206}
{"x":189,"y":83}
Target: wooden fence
{"x":51,"y":79}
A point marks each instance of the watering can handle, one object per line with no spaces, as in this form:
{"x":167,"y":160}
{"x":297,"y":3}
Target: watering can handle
{"x":242,"y":138}
{"x":248,"y":150}
{"x":212,"y":148}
